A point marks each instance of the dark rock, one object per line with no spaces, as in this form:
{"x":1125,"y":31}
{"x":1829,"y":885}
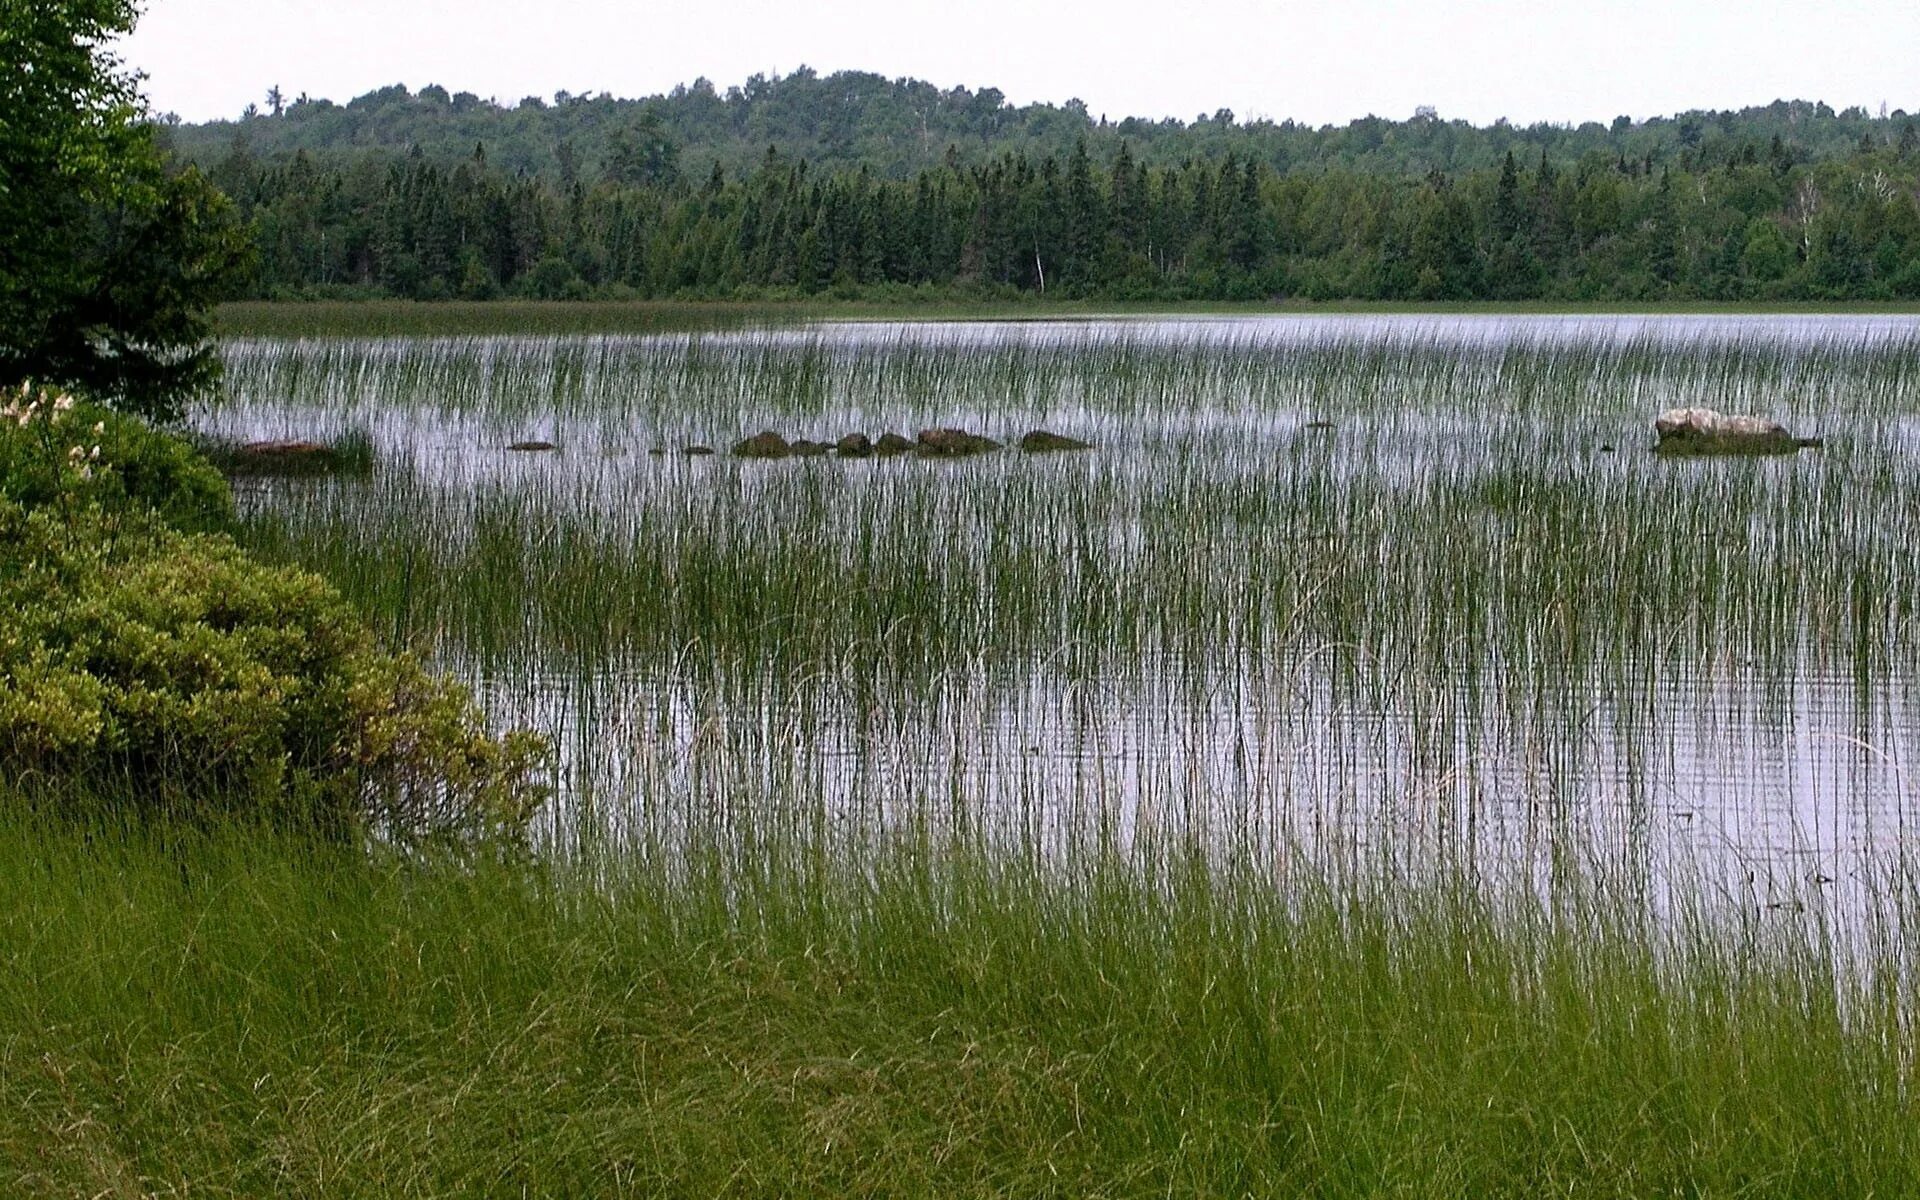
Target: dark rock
{"x":763,"y":445}
{"x":953,"y":443}
{"x":698,"y":451}
{"x":891,"y":444}
{"x":802,"y":448}
{"x":1042,"y":442}
{"x":1685,"y":432}
{"x":531,"y":447}
{"x":287,"y":457}
{"x":284,"y":450}
{"x":855,"y":445}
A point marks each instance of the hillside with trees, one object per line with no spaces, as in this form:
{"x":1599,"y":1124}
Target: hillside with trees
{"x":895,"y":128}
{"x":853,"y":185}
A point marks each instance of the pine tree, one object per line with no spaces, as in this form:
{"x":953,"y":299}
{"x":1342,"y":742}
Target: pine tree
{"x":1245,"y":240}
{"x":1127,"y":192}
{"x":1085,"y":225}
{"x":1508,"y":217}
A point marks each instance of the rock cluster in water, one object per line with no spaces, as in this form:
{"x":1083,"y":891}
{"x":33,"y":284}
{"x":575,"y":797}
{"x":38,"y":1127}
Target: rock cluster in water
{"x":931,"y":443}
{"x":1691,"y":431}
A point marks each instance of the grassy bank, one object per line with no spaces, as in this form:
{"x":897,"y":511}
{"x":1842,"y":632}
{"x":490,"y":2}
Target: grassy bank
{"x":235,"y":1015}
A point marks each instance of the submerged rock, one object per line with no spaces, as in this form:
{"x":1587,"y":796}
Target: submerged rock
{"x":954,"y":443}
{"x":763,"y":445}
{"x":697,"y":451}
{"x":287,"y":456}
{"x":854,"y":445}
{"x":1689,"y":431}
{"x":531,"y":447}
{"x":802,"y":448}
{"x":1040,"y":441}
{"x":891,"y":444}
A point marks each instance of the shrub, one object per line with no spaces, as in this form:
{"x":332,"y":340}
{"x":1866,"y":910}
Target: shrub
{"x":149,"y":664}
{"x":57,"y":451}
{"x":170,"y":671}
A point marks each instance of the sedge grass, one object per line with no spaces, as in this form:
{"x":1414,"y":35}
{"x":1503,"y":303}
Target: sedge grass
{"x":232,"y":1013}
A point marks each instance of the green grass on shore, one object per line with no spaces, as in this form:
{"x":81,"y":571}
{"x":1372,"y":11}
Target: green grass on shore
{"x":235,"y":1014}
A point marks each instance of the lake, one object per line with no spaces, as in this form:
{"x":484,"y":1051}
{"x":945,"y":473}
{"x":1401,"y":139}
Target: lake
{"x":1367,"y":592}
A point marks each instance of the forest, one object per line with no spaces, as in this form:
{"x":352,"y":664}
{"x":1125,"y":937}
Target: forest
{"x":432,"y":196}
{"x":896,"y":128}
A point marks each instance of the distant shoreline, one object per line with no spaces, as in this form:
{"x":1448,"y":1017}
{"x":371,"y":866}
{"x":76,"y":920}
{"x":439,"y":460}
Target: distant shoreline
{"x":261,"y":318}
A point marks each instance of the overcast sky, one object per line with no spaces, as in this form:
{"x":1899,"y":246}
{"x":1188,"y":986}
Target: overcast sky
{"x":1527,"y":60}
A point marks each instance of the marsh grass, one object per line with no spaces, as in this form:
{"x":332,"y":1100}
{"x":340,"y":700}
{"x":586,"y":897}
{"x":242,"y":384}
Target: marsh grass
{"x":748,"y":1013}
{"x":1394,"y":582}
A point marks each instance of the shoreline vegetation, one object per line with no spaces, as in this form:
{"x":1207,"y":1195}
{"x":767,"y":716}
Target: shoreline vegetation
{"x":152,"y":668}
{"x":428,"y":318}
{"x":745,"y":1013}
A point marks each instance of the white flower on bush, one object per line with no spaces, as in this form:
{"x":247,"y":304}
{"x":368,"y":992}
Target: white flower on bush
{"x":49,"y":406}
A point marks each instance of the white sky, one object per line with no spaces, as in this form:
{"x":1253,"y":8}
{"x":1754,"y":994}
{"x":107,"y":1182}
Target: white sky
{"x":1545,"y":60}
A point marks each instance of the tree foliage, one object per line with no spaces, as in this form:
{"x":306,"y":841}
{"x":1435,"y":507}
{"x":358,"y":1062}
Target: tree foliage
{"x":1747,"y":225}
{"x":898,"y":127}
{"x":108,"y":260}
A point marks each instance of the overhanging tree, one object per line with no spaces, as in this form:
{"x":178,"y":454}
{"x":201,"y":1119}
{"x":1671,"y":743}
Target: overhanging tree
{"x":109,"y":262}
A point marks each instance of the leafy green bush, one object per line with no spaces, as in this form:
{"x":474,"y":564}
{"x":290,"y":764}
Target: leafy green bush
{"x":147,"y":663}
{"x":171,"y":671}
{"x":56,"y":450}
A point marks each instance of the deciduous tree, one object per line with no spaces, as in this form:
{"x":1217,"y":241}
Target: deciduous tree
{"x":108,"y":261}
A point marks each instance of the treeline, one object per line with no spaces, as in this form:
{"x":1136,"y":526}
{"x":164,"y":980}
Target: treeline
{"x":1758,"y":226}
{"x":898,"y":127}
